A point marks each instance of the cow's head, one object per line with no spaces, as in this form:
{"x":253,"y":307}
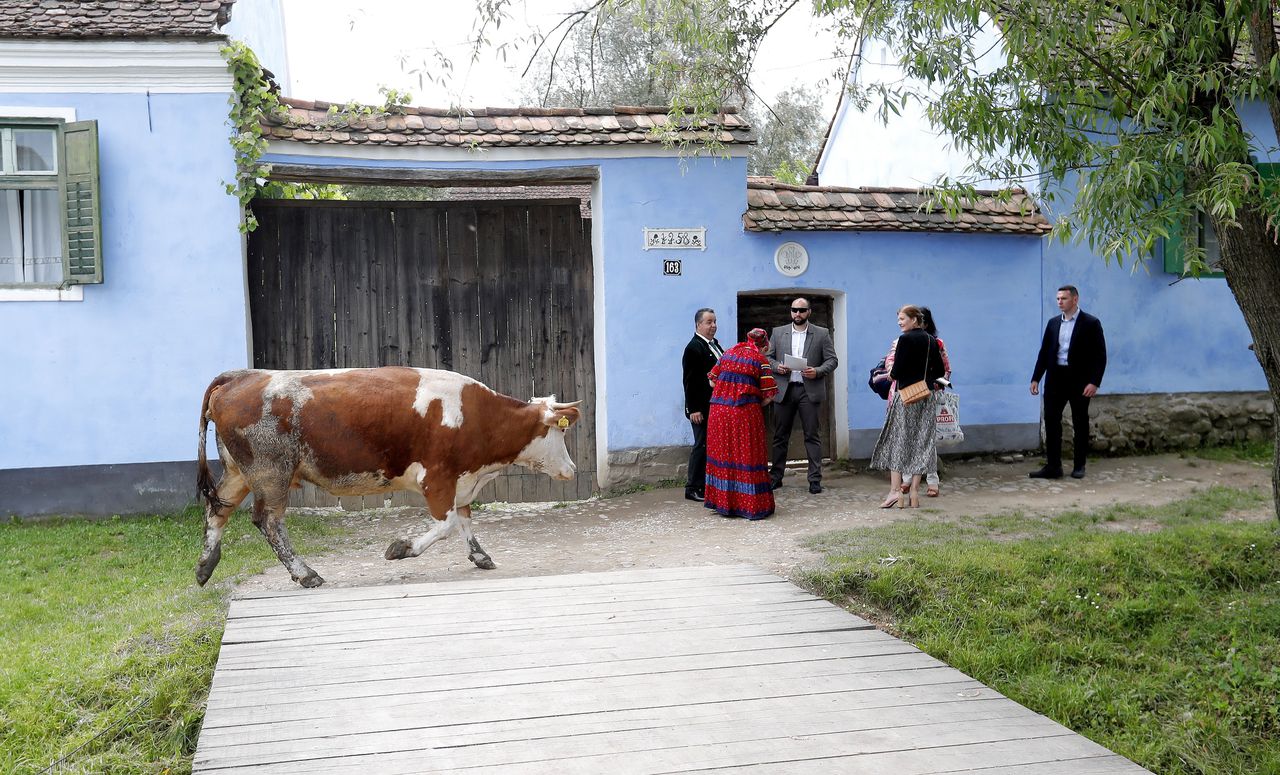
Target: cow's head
{"x":547,"y":452}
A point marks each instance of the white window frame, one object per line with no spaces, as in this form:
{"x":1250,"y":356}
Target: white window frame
{"x":71,"y":293}
{"x":9,"y":152}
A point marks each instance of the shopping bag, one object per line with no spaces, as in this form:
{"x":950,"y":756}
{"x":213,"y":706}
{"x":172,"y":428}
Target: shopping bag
{"x":947,"y":413}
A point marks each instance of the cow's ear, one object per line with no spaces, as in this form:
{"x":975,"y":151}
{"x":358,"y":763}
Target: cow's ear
{"x":562,"y":418}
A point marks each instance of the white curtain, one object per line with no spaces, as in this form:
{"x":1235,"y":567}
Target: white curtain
{"x":10,"y":237}
{"x":42,"y":237}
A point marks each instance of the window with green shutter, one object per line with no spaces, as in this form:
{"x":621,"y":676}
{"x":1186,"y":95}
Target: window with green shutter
{"x":1200,"y":228}
{"x":50,"y":230}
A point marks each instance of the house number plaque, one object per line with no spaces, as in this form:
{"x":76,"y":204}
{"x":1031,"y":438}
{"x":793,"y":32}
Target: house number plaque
{"x":676,"y":239}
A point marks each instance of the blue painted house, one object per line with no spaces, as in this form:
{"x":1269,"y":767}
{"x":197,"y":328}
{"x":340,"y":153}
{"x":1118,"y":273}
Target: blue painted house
{"x":159,"y":291}
{"x":124,"y":285}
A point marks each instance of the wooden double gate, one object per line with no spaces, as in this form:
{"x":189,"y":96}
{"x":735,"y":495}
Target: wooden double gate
{"x":499,"y":291}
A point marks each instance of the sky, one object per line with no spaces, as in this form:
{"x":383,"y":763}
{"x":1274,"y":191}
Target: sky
{"x":341,"y":50}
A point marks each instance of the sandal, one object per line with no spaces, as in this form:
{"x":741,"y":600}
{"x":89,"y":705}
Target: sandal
{"x":891,"y":501}
{"x":932,"y":492}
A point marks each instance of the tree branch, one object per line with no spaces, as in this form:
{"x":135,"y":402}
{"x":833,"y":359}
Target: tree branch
{"x":577,"y":17}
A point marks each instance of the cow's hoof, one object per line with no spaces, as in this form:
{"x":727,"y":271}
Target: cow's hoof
{"x":483,"y":562}
{"x":311,"y":580}
{"x":204,"y":568}
{"x":399,"y":549}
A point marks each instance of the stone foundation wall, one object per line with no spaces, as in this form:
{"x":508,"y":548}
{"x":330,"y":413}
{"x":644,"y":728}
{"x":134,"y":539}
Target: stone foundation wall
{"x":1155,"y":422}
{"x":1119,"y":425}
{"x":647,"y":465}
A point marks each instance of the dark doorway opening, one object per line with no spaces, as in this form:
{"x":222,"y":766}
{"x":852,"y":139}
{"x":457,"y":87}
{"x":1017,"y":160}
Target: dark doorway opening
{"x":769,"y":310}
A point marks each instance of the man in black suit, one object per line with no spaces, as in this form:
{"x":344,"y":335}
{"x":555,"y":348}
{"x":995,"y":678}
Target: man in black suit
{"x":700,"y":356}
{"x":1074,"y":355}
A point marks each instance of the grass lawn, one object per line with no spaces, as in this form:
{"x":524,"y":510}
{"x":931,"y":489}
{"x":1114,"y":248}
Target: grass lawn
{"x":1153,"y":631}
{"x":107,"y":646}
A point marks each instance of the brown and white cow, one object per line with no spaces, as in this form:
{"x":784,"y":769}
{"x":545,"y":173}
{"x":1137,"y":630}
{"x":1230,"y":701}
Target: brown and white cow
{"x":363,"y":432}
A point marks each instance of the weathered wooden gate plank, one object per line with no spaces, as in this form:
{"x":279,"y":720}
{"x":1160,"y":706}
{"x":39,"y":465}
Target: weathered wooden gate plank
{"x":499,"y":291}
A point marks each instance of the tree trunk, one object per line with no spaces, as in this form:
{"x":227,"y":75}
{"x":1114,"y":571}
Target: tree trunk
{"x":1251,"y":263}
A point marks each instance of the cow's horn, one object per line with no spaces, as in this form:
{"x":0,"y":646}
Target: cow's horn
{"x":558,"y":406}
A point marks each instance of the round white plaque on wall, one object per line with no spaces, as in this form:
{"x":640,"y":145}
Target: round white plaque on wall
{"x":791,"y":259}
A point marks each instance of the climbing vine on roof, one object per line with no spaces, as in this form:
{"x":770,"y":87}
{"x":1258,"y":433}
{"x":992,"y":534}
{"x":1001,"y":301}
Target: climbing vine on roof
{"x":253,"y":96}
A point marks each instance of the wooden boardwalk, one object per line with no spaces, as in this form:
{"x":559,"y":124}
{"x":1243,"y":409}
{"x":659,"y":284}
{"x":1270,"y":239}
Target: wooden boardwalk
{"x":717,"y":669}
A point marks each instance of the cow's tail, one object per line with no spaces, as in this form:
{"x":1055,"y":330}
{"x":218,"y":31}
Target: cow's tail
{"x":204,"y":479}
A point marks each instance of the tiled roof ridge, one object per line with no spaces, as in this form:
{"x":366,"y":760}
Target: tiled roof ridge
{"x":321,"y":122}
{"x":481,"y":112}
{"x":761,"y":182}
{"x":775,"y":206}
{"x":115,"y":19}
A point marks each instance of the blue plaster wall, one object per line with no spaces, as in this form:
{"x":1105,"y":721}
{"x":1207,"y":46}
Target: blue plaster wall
{"x":118,"y":377}
{"x":1162,"y":336}
{"x":981,"y":289}
{"x":260,"y":25}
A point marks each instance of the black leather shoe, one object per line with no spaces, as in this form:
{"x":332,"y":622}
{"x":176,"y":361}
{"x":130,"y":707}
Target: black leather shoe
{"x":775,"y":485}
{"x":1046,"y":473}
{"x":694,"y":495}
{"x":814,"y":488}
{"x":1077,"y":472}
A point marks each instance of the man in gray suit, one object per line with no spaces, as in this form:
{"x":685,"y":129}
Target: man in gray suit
{"x":801,"y":390}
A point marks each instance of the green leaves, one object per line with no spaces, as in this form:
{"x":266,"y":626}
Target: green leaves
{"x":251,"y":99}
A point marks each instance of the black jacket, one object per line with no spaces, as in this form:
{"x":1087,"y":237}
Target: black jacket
{"x":697,"y":361}
{"x":1086,"y":355}
{"x":915,"y":352}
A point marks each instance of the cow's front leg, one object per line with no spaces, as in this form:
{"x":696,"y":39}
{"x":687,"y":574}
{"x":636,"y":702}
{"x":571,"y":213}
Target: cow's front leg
{"x":231,"y":491}
{"x":269,"y":517}
{"x":403,"y":547}
{"x":477,"y":555}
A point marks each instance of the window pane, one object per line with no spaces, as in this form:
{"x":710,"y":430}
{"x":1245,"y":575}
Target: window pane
{"x":35,"y":150}
{"x":10,"y":237}
{"x":1209,"y":240}
{"x":30,"y":237}
{"x":42,"y":237}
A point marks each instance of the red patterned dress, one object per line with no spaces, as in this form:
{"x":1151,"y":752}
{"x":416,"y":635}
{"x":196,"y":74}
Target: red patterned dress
{"x":737,"y":456}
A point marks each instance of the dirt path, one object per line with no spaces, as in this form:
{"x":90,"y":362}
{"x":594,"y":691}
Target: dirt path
{"x":658,"y":528}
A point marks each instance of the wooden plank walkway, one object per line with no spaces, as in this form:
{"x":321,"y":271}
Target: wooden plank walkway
{"x":716,"y":669}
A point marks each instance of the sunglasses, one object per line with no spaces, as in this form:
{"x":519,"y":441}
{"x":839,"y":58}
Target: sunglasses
{"x":799,"y":309}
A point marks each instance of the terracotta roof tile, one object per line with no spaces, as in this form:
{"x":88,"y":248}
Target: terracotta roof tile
{"x":114,"y":18}
{"x":579,"y":191}
{"x":311,"y":122}
{"x":774,"y":206}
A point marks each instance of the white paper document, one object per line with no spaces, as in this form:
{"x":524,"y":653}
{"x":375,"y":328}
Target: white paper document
{"x":795,"y":362}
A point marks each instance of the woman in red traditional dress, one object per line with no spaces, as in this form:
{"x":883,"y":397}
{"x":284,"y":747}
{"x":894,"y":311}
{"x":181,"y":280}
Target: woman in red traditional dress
{"x":737,"y":456}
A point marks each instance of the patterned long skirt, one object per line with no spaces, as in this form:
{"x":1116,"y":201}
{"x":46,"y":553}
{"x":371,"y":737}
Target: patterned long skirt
{"x":907,"y":443}
{"x":738,"y":463}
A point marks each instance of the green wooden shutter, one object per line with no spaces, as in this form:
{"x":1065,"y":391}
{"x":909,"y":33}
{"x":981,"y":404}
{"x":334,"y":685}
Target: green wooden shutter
{"x":1174,"y":262}
{"x":78,"y":184}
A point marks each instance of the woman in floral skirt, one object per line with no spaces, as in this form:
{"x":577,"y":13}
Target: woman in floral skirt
{"x":737,"y":455}
{"x":907,"y":447}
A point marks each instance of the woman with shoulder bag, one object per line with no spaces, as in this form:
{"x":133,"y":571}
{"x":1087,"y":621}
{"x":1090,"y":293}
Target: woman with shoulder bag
{"x":907,"y":447}
{"x":931,"y":328}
